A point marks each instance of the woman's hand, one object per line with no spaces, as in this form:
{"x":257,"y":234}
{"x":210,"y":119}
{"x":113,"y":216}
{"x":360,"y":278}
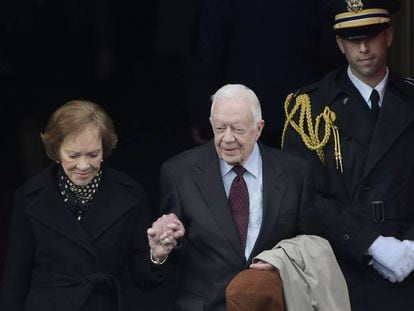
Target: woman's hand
{"x":163,"y":236}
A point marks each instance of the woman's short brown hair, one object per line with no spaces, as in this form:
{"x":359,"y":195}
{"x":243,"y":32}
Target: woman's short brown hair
{"x":73,"y":117}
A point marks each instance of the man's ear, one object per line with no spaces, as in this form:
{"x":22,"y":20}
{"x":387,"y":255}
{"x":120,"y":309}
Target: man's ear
{"x":260,"y":126}
{"x":389,"y":34}
{"x":340,"y":44}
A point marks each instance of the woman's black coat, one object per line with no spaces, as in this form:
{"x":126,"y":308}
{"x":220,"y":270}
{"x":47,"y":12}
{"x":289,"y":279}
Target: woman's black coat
{"x":56,"y":263}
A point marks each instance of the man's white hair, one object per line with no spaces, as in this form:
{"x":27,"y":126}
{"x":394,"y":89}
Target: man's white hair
{"x":239,"y":91}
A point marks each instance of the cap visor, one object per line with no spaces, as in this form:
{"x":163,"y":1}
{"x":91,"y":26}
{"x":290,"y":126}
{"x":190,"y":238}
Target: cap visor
{"x":361,"y":32}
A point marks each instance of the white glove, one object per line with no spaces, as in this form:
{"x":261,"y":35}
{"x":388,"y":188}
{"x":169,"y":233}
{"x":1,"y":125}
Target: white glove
{"x":394,"y":255}
{"x":385,"y":272}
{"x":409,"y":244}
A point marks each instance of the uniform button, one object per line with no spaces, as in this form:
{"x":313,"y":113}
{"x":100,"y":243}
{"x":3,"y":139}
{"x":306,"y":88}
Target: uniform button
{"x":346,"y":237}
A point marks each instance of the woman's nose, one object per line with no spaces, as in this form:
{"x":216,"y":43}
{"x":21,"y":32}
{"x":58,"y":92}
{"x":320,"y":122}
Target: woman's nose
{"x":83,"y":164}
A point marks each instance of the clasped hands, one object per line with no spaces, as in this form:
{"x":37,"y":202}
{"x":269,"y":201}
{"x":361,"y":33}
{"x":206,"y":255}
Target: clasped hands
{"x":163,"y":236}
{"x":392,"y":258}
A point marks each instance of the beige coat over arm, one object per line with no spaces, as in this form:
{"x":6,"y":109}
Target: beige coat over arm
{"x":312,"y":279}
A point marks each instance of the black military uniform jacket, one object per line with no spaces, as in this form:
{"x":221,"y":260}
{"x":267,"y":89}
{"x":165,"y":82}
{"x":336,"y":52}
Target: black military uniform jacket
{"x":375,"y":193}
{"x":56,"y":263}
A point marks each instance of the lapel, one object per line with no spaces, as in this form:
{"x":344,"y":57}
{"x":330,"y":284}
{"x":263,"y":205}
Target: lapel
{"x":351,"y":111}
{"x":337,"y":92}
{"x":395,"y":115}
{"x":48,"y":207}
{"x":210,"y":184}
{"x":274,"y":187}
{"x":110,"y":203}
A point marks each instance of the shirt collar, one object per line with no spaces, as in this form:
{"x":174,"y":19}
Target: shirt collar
{"x":251,"y":165}
{"x":366,"y":89}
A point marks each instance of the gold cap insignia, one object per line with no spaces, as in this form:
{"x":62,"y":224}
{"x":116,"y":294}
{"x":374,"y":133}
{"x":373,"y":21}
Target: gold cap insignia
{"x":354,"y":5}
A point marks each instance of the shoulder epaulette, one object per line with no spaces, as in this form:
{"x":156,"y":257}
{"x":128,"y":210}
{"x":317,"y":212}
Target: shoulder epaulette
{"x":300,"y":105}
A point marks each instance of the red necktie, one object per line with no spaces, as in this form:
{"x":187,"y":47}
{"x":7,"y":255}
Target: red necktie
{"x":239,"y":203}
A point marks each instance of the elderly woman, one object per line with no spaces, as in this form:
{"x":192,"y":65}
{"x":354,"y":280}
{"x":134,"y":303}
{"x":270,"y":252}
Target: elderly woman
{"x":78,"y":223}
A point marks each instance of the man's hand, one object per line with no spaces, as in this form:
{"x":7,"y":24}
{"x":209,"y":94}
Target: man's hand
{"x":385,"y":272}
{"x":163,"y":236}
{"x":262,"y":265}
{"x":394,"y":255}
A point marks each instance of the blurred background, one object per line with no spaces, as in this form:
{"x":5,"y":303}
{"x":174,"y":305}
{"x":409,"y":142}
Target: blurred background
{"x":153,"y":65}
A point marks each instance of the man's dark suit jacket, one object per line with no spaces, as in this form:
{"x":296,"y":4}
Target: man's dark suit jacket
{"x":210,"y":254}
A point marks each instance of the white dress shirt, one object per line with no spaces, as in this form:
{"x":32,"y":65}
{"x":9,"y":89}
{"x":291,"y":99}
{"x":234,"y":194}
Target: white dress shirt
{"x":365,"y":90}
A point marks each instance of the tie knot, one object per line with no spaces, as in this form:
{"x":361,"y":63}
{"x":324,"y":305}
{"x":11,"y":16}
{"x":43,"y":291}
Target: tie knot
{"x":239,"y":170}
{"x":374,"y":98}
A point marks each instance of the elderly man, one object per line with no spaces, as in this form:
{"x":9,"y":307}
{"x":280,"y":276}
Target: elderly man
{"x":235,"y":197}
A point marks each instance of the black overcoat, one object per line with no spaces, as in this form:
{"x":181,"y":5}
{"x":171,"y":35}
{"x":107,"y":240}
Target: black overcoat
{"x":378,"y":164}
{"x":56,"y":263}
